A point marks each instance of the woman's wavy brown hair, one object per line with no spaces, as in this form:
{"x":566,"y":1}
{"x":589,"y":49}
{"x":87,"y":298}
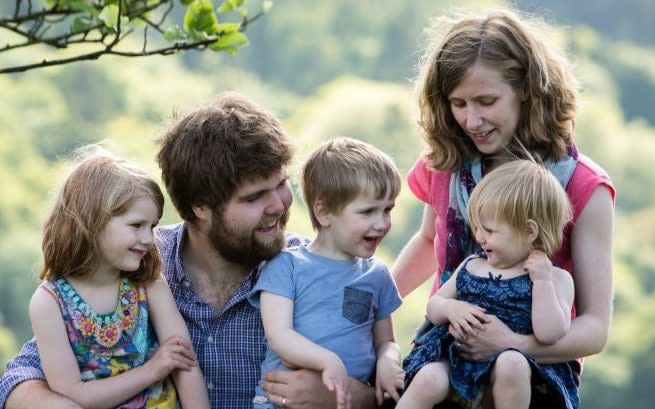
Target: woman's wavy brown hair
{"x":500,"y":40}
{"x":99,"y":187}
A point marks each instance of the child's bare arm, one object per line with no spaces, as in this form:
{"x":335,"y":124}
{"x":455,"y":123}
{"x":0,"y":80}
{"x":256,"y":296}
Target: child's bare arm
{"x":172,"y":330}
{"x":389,"y":374}
{"x":296,"y":350}
{"x":552,"y":298}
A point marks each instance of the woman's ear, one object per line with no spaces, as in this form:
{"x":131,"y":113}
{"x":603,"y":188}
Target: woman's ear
{"x":532,"y":231}
{"x":321,"y":213}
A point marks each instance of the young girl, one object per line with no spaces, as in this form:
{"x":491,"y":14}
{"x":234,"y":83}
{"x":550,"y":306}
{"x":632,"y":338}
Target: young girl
{"x":102,"y":295}
{"x":517,"y":214}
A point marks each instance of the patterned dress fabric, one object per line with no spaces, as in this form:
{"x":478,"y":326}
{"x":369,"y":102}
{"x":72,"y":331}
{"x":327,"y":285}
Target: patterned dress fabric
{"x":511,"y":301}
{"x":110,"y":344}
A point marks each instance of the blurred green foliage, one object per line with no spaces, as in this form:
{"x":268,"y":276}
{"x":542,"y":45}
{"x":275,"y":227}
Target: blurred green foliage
{"x":329,"y":69}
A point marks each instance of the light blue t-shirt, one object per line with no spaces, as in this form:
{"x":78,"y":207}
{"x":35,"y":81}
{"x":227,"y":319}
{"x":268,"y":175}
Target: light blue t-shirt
{"x":335,"y":304}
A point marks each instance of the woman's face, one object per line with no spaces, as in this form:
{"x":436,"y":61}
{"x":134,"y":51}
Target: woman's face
{"x":487,"y":108}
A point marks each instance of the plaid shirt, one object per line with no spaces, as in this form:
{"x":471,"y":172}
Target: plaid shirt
{"x":229,"y":344}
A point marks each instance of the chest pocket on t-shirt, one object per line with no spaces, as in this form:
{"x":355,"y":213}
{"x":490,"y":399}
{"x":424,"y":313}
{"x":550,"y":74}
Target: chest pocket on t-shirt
{"x":356,"y":305}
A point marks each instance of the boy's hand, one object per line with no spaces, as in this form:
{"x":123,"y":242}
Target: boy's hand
{"x":335,"y":378}
{"x":538,"y":266}
{"x":389,"y":378}
{"x":174,"y":353}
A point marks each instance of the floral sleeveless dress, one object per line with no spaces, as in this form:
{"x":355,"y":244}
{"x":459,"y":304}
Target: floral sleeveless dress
{"x":511,"y":301}
{"x":109,"y":344}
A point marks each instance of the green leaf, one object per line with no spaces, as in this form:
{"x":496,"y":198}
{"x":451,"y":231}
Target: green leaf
{"x":226,"y":28}
{"x":243,"y":11}
{"x":175,"y":33}
{"x":82,"y":5}
{"x":267,"y":5}
{"x":229,"y":42}
{"x":186,"y":2}
{"x":109,"y":15}
{"x":200,"y":17}
{"x":225,"y":7}
{"x":81,"y":23}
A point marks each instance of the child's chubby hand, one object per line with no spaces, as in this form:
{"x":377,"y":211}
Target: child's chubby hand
{"x":465,"y":318}
{"x":389,"y":379}
{"x":335,"y":379}
{"x":174,"y":353}
{"x":538,"y":266}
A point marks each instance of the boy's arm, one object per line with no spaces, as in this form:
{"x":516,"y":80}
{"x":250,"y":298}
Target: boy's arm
{"x":295,"y":349}
{"x":61,"y":368}
{"x":169,"y":325}
{"x":389,"y":376}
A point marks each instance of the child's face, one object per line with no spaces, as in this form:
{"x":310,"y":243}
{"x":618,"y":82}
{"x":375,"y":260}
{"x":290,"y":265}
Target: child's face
{"x":127,"y":238}
{"x":502,"y":244}
{"x":358,"y":229}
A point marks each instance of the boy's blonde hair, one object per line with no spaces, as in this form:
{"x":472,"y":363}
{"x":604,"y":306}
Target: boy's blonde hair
{"x":341,"y":169}
{"x":98,"y":188}
{"x":519,"y":191}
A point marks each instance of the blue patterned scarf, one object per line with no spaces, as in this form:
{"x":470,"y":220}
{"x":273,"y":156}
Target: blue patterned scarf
{"x":460,"y":242}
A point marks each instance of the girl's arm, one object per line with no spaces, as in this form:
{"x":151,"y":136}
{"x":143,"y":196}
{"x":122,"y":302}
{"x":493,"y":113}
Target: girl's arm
{"x":444,"y":307}
{"x":296,"y":350}
{"x":552,"y":298}
{"x":61,"y":368}
{"x":389,"y":374}
{"x":416,"y":261}
{"x":591,"y":246}
{"x":170,"y":327}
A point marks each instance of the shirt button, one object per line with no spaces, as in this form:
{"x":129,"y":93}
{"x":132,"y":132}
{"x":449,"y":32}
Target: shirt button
{"x":210,"y":385}
{"x":186,"y":283}
{"x":210,"y":339}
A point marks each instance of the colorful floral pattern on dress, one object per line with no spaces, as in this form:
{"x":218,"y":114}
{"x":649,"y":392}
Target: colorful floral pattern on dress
{"x":110,"y":344}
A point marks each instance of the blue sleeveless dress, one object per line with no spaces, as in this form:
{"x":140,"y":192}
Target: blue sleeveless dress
{"x":511,"y":301}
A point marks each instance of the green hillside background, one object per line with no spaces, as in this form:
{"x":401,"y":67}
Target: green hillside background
{"x":330,"y":68}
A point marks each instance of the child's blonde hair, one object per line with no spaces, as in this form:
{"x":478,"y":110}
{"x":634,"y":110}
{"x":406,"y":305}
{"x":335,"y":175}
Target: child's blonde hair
{"x":519,"y":191}
{"x":98,"y":188}
{"x":341,"y":169}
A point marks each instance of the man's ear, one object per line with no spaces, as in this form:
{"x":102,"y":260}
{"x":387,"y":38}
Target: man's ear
{"x":322,"y":214}
{"x":203,"y":213}
{"x":532,"y":231}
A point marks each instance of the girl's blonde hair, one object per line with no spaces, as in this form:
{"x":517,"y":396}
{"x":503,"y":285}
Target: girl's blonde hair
{"x":499,"y":40}
{"x":519,"y":191}
{"x":98,"y":188}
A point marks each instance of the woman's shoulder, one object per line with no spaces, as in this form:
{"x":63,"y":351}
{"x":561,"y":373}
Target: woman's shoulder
{"x":588,"y":176}
{"x":425,"y":182}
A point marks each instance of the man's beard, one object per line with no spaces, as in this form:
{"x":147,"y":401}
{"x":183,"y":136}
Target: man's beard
{"x":243,"y":247}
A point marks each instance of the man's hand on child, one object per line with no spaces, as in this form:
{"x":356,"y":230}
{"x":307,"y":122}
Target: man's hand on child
{"x":173,"y":353}
{"x":389,"y":379}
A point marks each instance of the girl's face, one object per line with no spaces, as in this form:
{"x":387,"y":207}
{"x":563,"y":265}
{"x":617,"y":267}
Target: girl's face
{"x":487,"y":108}
{"x":127,"y":238}
{"x":504,"y":246}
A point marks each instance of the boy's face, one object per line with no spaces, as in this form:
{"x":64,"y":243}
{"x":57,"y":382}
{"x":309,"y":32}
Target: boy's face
{"x":358,"y":229}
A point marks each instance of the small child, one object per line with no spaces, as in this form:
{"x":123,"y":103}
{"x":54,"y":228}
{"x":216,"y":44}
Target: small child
{"x":517,"y":213}
{"x":327,"y":306}
{"x":102,"y":295}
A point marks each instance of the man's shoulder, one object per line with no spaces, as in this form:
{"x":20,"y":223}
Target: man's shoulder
{"x":295,"y":240}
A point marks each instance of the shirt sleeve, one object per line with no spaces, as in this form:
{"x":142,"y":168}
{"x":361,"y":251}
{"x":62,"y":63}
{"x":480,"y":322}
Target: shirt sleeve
{"x":24,"y":367}
{"x":276,"y":276}
{"x":389,"y":297}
